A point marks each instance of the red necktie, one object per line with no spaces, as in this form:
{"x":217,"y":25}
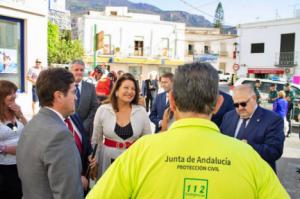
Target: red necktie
{"x":75,"y":135}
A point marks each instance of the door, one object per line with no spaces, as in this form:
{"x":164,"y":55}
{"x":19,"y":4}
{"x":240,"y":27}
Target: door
{"x":287,"y":48}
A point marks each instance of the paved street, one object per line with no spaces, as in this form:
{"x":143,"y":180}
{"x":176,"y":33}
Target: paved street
{"x":288,"y":165}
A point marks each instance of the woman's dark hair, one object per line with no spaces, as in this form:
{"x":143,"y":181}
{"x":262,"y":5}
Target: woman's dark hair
{"x":6,"y":88}
{"x":113,"y":98}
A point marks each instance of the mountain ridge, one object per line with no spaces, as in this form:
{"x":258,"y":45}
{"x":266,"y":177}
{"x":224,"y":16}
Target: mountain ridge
{"x":82,"y":6}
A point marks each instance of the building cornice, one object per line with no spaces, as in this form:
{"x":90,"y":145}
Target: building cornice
{"x":22,"y":8}
{"x":262,"y":24}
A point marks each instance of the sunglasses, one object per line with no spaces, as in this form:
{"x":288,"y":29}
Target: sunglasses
{"x":242,"y":104}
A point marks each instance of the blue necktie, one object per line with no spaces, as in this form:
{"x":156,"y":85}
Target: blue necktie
{"x":240,"y":134}
{"x":77,"y":92}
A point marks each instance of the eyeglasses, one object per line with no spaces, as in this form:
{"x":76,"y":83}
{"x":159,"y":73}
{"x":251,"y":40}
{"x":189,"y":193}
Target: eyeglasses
{"x":243,"y":104}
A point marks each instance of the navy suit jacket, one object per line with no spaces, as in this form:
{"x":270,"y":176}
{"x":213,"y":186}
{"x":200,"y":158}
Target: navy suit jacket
{"x":264,"y":133}
{"x":225,"y":107}
{"x":158,"y":109}
{"x":86,"y":144}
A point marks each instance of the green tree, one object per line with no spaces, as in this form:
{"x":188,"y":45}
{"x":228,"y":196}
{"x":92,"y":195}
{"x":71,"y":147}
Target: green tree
{"x":219,"y":16}
{"x":61,"y":48}
{"x":53,"y":42}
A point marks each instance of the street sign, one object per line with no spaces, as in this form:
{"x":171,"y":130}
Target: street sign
{"x":236,"y":67}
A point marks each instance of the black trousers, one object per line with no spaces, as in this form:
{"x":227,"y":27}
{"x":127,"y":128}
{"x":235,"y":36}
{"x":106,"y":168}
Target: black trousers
{"x":149,"y":102}
{"x":10,"y":183}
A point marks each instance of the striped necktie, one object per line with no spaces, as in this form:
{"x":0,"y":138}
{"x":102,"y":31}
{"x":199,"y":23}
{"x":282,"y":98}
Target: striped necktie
{"x":75,"y":135}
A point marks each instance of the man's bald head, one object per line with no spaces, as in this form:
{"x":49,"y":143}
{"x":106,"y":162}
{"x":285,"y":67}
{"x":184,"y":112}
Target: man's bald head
{"x":244,"y":99}
{"x":247,"y":89}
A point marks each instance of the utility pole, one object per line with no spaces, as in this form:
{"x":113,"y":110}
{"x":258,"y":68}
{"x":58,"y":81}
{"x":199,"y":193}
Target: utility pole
{"x":95,"y":45}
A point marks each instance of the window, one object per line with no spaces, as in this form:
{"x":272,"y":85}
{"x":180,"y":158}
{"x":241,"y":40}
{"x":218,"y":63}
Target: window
{"x":165,"y":47}
{"x":136,"y":71}
{"x":190,"y":49}
{"x":107,"y":44}
{"x":11,"y":51}
{"x":258,"y":48}
{"x":206,"y":49}
{"x":113,"y":13}
{"x":138,"y":48}
{"x":287,"y":48}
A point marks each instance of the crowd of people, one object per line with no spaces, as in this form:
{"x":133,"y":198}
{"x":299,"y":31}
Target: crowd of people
{"x":102,"y":131}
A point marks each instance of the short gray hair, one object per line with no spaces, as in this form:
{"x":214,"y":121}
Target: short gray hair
{"x":196,"y":88}
{"x":248,"y":89}
{"x":77,"y":61}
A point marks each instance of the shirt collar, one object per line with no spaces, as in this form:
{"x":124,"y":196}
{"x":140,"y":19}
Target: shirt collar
{"x":57,"y":113}
{"x":204,"y":123}
{"x":79,"y":85}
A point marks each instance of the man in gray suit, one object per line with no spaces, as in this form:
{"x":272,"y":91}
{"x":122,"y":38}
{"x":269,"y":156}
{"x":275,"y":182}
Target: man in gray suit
{"x":86,"y":103}
{"x":48,"y":160}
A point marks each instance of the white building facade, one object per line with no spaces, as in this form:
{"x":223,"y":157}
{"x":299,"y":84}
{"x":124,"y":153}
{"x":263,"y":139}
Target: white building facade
{"x":59,"y":15}
{"x":269,"y":49}
{"x":132,"y":42}
{"x":209,"y":45}
{"x":23,"y":38}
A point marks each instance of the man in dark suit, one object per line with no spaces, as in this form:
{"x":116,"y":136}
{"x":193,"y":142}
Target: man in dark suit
{"x":227,"y":106}
{"x":86,"y":103}
{"x":161,"y":102}
{"x":48,"y":161}
{"x":83,"y":145}
{"x":259,"y":127}
{"x":147,"y":87}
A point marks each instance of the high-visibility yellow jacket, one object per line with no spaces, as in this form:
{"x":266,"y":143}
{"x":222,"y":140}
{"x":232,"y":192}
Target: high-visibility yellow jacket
{"x":190,"y":160}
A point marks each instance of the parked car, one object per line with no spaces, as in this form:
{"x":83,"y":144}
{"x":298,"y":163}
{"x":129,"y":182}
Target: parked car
{"x":224,"y":76}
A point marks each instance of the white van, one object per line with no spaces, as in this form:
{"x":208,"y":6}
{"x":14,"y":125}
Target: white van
{"x":266,"y":84}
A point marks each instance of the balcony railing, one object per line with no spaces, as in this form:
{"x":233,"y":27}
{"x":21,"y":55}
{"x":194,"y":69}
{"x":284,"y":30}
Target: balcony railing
{"x":286,"y":59}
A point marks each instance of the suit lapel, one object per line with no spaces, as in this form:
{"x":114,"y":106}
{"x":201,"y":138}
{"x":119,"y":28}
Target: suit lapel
{"x":82,"y":94}
{"x":234,"y":123}
{"x":254,"y":122}
{"x":164,"y":98}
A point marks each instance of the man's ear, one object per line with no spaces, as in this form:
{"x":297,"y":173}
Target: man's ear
{"x":57,"y":95}
{"x":219,"y":103}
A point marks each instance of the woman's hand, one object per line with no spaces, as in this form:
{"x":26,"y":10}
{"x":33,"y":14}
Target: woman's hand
{"x":92,"y":162}
{"x":85,"y":183}
{"x":16,"y":109}
{"x":18,"y":112}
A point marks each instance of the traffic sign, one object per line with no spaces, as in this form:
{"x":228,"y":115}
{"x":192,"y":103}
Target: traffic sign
{"x":236,"y":67}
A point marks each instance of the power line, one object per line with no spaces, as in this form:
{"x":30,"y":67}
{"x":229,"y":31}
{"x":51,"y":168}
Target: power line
{"x":209,"y":3}
{"x":196,"y":8}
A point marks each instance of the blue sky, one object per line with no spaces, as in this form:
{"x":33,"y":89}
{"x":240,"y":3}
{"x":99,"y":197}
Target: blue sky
{"x":235,"y":11}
